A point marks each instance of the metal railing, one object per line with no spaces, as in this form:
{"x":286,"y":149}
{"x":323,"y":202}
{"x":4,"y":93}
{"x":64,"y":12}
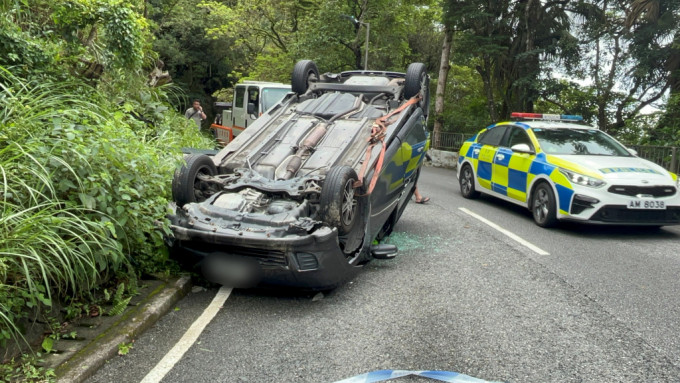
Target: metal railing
{"x":449,"y":141}
{"x":666,"y":156}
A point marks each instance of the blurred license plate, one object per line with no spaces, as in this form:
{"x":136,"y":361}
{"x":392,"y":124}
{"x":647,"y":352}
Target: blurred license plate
{"x":647,"y":204}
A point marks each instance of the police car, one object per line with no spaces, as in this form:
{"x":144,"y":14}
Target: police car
{"x":562,"y":170}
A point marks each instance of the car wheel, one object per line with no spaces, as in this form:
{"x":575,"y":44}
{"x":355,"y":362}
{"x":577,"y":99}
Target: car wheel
{"x":467,"y":182}
{"x":417,"y":81}
{"x":544,"y":206}
{"x":303,"y":71}
{"x":187,"y":186}
{"x":342,"y":207}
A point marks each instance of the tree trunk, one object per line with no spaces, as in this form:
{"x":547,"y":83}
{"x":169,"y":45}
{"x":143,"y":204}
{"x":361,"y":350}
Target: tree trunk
{"x":444,"y":67}
{"x":488,"y":90}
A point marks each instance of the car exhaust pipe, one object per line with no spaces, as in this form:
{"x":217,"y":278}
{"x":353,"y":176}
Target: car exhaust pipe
{"x":308,"y":144}
{"x":313,"y":139}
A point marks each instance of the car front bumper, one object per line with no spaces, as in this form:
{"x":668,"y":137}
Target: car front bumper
{"x":310,"y":261}
{"x":612,"y":208}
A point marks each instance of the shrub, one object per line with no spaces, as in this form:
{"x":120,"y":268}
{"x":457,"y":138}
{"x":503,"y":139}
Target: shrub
{"x":85,"y":185}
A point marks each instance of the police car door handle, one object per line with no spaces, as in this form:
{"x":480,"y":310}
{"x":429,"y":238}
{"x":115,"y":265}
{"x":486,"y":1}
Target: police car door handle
{"x":476,"y":151}
{"x":500,"y":157}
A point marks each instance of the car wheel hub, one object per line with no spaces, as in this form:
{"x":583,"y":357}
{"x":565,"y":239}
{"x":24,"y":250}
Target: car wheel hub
{"x":541,"y":205}
{"x":467,"y":181}
{"x":349,"y":204}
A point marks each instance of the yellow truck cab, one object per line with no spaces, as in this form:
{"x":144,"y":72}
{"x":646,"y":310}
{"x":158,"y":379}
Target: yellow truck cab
{"x":251,"y":99}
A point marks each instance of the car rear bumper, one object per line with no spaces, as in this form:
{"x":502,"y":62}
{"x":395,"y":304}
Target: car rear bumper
{"x":312,"y":261}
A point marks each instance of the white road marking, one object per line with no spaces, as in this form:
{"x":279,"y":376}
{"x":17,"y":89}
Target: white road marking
{"x":188,"y":339}
{"x":510,"y":234}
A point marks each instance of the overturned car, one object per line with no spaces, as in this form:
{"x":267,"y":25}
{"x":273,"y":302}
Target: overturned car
{"x":303,"y":197}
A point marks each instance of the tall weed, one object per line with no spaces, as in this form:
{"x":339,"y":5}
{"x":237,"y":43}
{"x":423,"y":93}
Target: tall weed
{"x":85,"y":178}
{"x":46,"y":247}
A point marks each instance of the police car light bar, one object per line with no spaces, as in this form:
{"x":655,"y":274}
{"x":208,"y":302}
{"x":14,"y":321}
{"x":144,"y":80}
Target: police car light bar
{"x":544,"y":116}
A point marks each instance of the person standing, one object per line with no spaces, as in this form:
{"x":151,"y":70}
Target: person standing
{"x":196,"y":113}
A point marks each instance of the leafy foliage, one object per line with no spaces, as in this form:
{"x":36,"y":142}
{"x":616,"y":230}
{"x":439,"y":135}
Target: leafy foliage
{"x":466,"y":110}
{"x":26,"y":369}
{"x":118,"y":28}
{"x":120,"y":302}
{"x":85,"y":161}
{"x":511,"y":40}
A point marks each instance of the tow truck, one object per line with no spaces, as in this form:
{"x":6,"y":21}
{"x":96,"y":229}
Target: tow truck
{"x":251,"y":99}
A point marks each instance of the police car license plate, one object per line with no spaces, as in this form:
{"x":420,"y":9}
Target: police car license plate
{"x":647,"y":204}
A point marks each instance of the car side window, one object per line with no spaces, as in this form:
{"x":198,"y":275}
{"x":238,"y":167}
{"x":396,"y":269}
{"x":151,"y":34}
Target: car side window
{"x":493,"y":136}
{"x":515,"y":136}
{"x":253,"y":95}
{"x":417,"y":134}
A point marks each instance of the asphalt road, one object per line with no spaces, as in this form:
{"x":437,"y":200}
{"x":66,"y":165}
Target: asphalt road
{"x":601,"y":306}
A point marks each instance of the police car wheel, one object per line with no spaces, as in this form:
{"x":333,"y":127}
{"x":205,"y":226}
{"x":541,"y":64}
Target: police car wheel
{"x":187,"y":186}
{"x":543,"y":206}
{"x":417,"y":82}
{"x":303,"y":72}
{"x":341,"y":207}
{"x":467,"y":183}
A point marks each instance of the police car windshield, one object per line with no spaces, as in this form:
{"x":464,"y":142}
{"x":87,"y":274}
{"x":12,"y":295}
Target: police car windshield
{"x":586,"y":142}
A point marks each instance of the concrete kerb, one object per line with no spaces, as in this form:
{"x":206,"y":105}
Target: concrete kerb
{"x":91,"y":357}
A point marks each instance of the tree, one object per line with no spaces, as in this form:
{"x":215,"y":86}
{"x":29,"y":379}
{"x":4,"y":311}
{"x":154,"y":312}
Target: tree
{"x":444,"y":68}
{"x":621,"y":59}
{"x":198,"y":61}
{"x":512,"y":40}
{"x":655,"y":29}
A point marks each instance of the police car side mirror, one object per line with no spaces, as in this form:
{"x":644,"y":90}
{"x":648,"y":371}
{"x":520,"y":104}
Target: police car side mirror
{"x":522,"y":148}
{"x":632,"y":151}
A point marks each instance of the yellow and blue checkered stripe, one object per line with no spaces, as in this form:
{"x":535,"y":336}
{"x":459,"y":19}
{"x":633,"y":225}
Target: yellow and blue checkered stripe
{"x":512,"y":175}
{"x":406,"y":162}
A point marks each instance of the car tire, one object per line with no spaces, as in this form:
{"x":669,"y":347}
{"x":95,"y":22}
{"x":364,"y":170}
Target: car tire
{"x":544,"y":205}
{"x":186,"y":185}
{"x":467,"y":182}
{"x":417,"y":81}
{"x":303,"y":72}
{"x":341,"y":207}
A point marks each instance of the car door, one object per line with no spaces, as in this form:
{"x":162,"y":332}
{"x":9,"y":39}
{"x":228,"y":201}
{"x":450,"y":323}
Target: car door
{"x":402,"y":158}
{"x":489,"y":141}
{"x":252,"y":105}
{"x":510,"y":170}
{"x":239,"y":108}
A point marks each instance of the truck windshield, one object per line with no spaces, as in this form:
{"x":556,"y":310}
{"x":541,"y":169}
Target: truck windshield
{"x":271,"y":96}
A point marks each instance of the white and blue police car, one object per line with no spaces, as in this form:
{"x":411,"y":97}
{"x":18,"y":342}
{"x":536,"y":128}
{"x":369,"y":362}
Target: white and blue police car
{"x":562,"y":170}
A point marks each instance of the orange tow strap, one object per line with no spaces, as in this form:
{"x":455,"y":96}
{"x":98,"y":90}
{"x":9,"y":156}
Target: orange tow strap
{"x":378,"y":136}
